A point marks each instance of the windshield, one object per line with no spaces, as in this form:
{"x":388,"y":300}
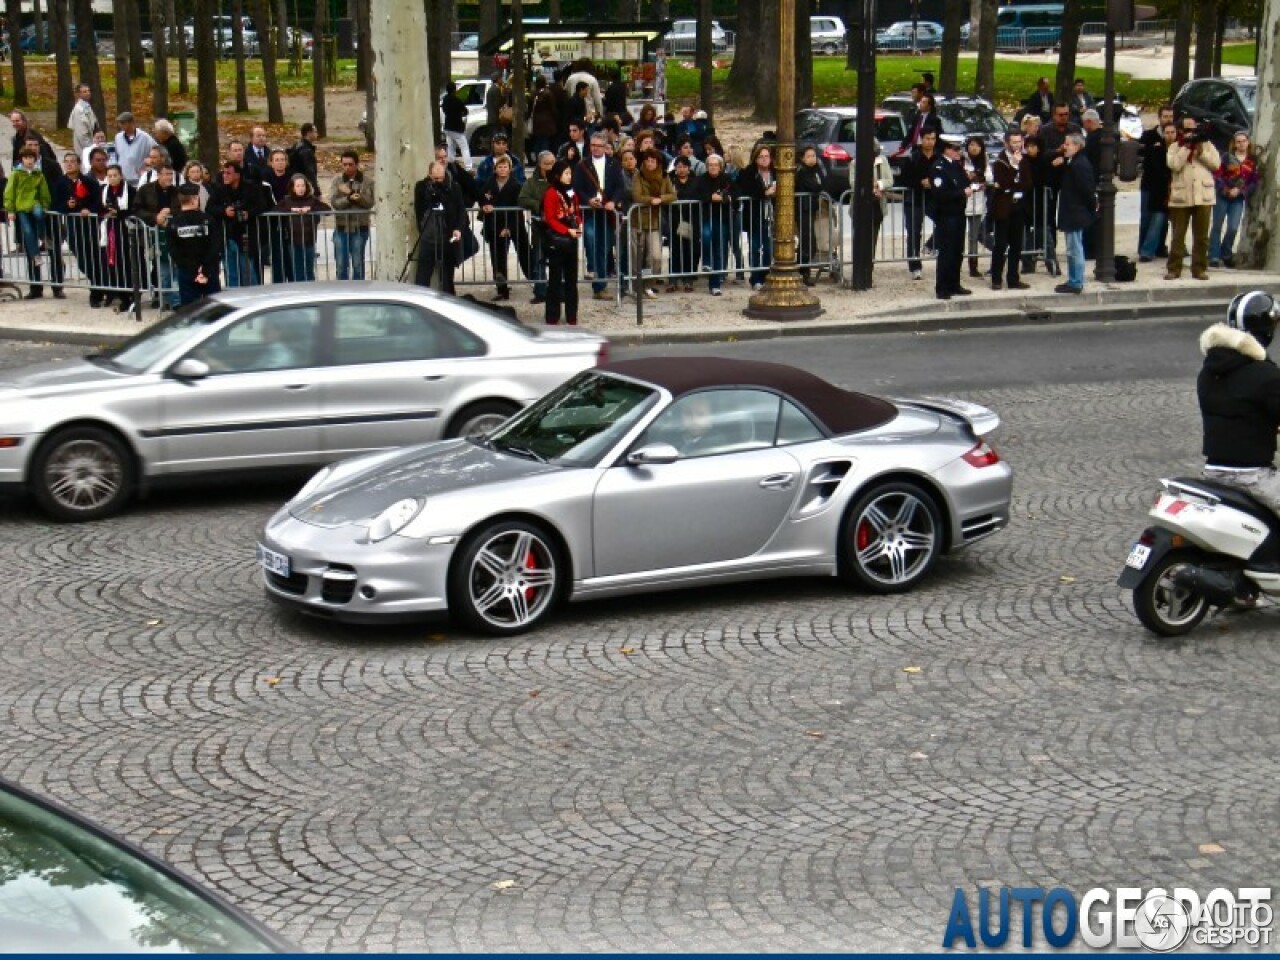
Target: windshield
{"x":888,"y":130}
{"x":139,"y":353}
{"x":1249,"y":94}
{"x":577,"y":423}
{"x":66,"y":889}
{"x":965,"y":118}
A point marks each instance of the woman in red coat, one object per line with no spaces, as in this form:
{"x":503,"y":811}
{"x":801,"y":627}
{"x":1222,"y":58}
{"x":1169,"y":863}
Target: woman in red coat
{"x":562,"y":220}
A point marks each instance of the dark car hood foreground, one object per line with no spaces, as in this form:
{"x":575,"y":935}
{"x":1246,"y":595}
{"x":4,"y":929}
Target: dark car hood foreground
{"x":423,"y":471}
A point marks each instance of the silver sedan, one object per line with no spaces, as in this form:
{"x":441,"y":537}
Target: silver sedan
{"x":272,"y":378}
{"x":643,"y":475}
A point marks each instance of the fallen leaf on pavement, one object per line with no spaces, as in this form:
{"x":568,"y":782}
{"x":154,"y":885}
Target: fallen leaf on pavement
{"x":913,"y":669}
{"x":503,"y":885}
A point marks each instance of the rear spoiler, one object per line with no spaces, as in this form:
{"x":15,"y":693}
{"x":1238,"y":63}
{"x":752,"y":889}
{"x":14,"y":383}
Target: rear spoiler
{"x":981,"y":420}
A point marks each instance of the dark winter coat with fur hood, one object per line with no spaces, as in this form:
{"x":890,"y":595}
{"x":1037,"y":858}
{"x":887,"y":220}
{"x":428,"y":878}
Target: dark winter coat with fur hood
{"x":1239,"y":391}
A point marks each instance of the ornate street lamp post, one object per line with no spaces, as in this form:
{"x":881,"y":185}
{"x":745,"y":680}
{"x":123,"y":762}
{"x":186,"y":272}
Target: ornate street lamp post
{"x":785,"y":297}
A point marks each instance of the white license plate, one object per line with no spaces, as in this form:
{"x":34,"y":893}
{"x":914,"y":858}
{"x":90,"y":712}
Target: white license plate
{"x":273,"y":562}
{"x":1138,"y":556}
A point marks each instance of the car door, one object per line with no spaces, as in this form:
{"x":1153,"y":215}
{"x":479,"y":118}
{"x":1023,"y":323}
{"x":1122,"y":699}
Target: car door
{"x":259,"y":404}
{"x":722,"y":501}
{"x":394,"y":368}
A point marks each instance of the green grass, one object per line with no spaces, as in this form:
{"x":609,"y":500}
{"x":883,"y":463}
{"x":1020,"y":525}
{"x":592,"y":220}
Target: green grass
{"x":834,"y":85}
{"x":1240,"y":54}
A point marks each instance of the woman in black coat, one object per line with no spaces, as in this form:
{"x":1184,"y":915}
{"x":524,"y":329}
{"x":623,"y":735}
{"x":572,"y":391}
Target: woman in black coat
{"x":503,"y":223}
{"x":685,"y":225}
{"x":810,"y":179}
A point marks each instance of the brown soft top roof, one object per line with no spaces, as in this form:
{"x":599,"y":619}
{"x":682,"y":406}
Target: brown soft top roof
{"x":839,"y":411}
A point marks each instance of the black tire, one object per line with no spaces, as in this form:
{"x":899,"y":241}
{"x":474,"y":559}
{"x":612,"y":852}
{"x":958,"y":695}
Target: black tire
{"x":891,"y":538}
{"x":830,"y":49}
{"x":1164,"y":608}
{"x":82,"y":473}
{"x":506,"y":577}
{"x":479,"y":418}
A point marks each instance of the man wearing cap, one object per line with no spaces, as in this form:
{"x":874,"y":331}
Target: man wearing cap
{"x":500,"y":148}
{"x":132,"y":148}
{"x":949,"y":188}
{"x":195,"y":245}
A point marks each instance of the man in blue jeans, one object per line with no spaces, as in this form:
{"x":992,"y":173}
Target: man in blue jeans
{"x":1077,"y":209}
{"x":597,"y":180}
{"x":351,"y":191}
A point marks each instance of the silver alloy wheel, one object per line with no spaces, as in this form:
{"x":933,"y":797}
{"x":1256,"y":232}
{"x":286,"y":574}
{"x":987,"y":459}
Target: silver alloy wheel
{"x":1174,"y":605}
{"x":894,"y":538}
{"x":83,"y":474}
{"x":512,"y":579}
{"x":482,"y":424}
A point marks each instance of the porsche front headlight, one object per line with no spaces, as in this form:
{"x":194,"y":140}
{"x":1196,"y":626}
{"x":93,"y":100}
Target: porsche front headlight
{"x":394,"y":519}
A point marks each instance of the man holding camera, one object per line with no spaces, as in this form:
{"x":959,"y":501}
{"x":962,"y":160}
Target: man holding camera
{"x":239,"y":204}
{"x":351,"y":191}
{"x":442,"y":216}
{"x":1192,"y":160}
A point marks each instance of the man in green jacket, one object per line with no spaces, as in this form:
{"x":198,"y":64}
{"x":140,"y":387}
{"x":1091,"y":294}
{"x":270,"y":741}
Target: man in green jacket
{"x":531,"y":199}
{"x":27,"y":196}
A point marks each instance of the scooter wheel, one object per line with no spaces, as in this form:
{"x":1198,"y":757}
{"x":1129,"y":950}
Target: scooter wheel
{"x":1164,"y":607}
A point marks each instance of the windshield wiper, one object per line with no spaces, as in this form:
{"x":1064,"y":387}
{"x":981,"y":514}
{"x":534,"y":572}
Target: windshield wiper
{"x":520,"y":452}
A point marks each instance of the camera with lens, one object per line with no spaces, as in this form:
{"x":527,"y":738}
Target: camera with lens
{"x":1203,"y":133}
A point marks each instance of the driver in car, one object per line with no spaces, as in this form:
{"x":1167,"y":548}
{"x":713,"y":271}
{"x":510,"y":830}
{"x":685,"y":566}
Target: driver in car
{"x":694,"y":434}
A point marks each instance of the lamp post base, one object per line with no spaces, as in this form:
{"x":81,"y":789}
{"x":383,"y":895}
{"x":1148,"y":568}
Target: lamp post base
{"x":784,"y":298}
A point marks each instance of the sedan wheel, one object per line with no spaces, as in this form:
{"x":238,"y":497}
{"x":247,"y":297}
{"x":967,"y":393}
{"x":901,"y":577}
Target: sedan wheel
{"x":506,"y":579}
{"x":82,"y":474}
{"x":891,"y":539}
{"x":480,"y":419}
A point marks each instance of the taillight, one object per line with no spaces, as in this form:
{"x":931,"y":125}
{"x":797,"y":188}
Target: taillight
{"x":982,"y":455}
{"x":602,"y":355}
{"x":833,"y":151}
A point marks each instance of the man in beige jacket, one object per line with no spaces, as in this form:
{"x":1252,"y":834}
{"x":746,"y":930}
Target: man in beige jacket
{"x":1192,"y":162}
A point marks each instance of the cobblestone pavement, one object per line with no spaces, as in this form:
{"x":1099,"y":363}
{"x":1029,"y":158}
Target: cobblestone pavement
{"x":776,"y":767}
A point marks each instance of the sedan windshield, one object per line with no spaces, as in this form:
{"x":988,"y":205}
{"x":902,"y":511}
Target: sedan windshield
{"x":577,"y":423}
{"x":138,"y":353}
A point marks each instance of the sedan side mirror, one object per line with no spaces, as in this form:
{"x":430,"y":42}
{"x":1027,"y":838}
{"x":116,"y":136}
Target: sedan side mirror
{"x":189,"y":368}
{"x":653,"y":453}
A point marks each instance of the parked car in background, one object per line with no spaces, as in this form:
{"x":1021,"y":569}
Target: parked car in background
{"x":828,"y":35}
{"x":223,"y":35}
{"x":833,"y":130}
{"x":1227,"y":104}
{"x":28,"y":38}
{"x":1027,"y":27}
{"x":271,"y":378}
{"x":302,"y":37}
{"x":683,"y":38}
{"x":960,"y":116}
{"x":897,"y":38}
{"x":69,"y":886}
{"x":469,"y":43}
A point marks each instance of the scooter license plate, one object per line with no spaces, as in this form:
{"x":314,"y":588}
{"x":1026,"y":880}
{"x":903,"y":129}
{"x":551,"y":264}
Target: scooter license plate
{"x":1138,"y":556}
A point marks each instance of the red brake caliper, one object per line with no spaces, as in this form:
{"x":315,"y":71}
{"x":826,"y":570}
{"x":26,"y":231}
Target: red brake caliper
{"x":863,"y":538}
{"x":529,"y":564}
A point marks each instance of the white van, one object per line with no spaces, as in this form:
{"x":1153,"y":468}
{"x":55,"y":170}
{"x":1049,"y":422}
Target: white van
{"x":683,"y":38}
{"x":828,"y":34}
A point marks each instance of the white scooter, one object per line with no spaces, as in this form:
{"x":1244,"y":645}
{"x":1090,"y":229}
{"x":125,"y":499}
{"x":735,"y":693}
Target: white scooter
{"x":1209,"y":545}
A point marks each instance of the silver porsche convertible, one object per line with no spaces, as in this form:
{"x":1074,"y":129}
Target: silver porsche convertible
{"x":642,"y":475}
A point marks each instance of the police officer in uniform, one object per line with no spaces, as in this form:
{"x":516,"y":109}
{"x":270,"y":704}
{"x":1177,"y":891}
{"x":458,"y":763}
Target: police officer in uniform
{"x":949,"y":189}
{"x":195,"y":245}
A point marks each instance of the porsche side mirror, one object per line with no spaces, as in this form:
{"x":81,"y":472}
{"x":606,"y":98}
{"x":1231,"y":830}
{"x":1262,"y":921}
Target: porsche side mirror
{"x":653,"y":453}
{"x":189,"y":368}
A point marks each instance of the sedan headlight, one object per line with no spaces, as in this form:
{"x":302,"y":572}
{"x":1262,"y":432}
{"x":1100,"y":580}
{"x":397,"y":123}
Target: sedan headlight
{"x":394,"y":519}
{"x":312,"y":485}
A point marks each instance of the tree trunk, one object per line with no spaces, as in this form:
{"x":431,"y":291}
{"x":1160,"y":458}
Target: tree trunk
{"x":443,"y":17}
{"x":137,"y":59}
{"x":553,"y":11}
{"x":754,"y":71}
{"x":364,"y":56}
{"x":1179,"y":71}
{"x":949,"y":67}
{"x":1206,"y":18}
{"x":1066,"y":77}
{"x":237,"y":51}
{"x":985,"y":81}
{"x":176,"y":11}
{"x":400,"y":37}
{"x":206,"y":56}
{"x":1219,"y":34}
{"x":87,"y":57}
{"x":260,"y":10}
{"x":319,"y":57}
{"x":1260,"y":246}
{"x":13,"y":13}
{"x":804,"y":55}
{"x":120,"y":40}
{"x":282,"y":21}
{"x":705,"y":55}
{"x":60,"y":41}
{"x":160,"y":61}
{"x":42,"y":38}
{"x":488,"y":30}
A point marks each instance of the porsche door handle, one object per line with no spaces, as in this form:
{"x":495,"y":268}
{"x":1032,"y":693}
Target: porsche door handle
{"x":298,"y":386}
{"x":433,"y":377}
{"x":778,"y":481}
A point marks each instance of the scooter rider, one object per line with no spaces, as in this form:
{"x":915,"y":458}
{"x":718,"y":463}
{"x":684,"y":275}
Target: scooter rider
{"x":1239,"y":393}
